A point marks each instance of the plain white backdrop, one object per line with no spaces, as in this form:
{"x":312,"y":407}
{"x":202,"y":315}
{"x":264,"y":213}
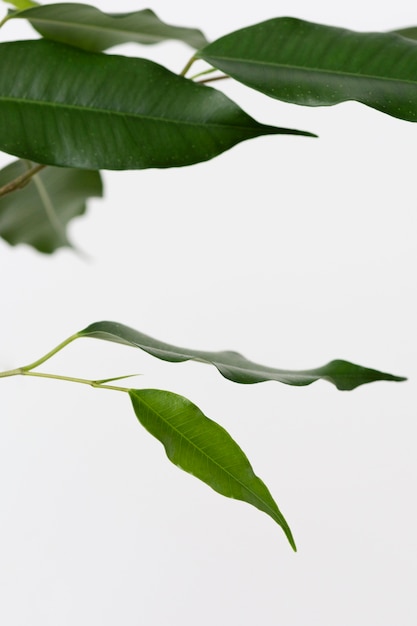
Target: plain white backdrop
{"x":293,"y":251}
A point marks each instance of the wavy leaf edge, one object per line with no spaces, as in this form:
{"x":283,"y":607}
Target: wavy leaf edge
{"x":233,"y":366}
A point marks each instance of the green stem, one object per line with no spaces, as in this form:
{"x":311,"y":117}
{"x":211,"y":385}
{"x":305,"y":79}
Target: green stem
{"x":210,"y":80}
{"x":203,"y":73}
{"x":97,"y":384}
{"x":4,"y":20}
{"x":11,"y":373}
{"x":26,"y":370}
{"x":46,"y":357}
{"x":20,"y":181}
{"x":187,"y":67}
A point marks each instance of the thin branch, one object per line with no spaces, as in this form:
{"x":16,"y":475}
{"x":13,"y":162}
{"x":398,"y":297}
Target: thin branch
{"x":203,"y":73}
{"x":83,"y":381}
{"x":4,"y":20}
{"x":50,"y":354}
{"x":210,"y":80}
{"x":187,"y":67}
{"x":16,"y":372}
{"x":26,"y":370}
{"x":20,"y":181}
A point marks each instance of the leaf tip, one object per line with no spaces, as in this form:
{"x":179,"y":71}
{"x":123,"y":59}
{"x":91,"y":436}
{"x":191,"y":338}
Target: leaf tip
{"x":347,"y":376}
{"x":292,"y":542}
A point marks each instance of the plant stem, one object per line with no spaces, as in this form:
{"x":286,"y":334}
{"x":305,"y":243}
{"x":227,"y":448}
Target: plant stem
{"x":187,"y":67}
{"x":4,"y":20}
{"x":26,"y":370}
{"x":20,"y":181}
{"x":209,"y":71}
{"x":83,"y":381}
{"x":210,"y":80}
{"x":31,"y":366}
{"x":11,"y":373}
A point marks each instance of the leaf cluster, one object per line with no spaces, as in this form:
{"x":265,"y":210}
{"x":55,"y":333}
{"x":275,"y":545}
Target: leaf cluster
{"x":69,"y":109}
{"x":90,"y":110}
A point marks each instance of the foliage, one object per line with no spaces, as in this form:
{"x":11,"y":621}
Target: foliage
{"x":91,"y":119}
{"x":37,"y":213}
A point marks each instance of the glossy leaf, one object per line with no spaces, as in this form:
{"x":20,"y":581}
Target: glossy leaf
{"x":38,"y":213}
{"x":233,"y":365}
{"x":204,"y":449}
{"x":89,"y":28}
{"x":312,"y":64}
{"x":63,"y":106}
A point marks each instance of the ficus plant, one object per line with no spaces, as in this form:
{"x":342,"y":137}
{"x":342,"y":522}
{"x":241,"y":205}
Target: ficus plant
{"x":68,"y":109}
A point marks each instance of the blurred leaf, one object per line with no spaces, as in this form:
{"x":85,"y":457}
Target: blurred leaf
{"x":312,"y":64}
{"x":63,"y":106}
{"x":89,"y":28}
{"x":204,"y":449}
{"x":21,"y":4}
{"x":233,"y":365}
{"x":38,"y":213}
{"x":410,"y":33}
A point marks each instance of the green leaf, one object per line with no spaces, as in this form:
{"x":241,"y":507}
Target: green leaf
{"x":204,"y":449}
{"x":312,"y":64}
{"x":89,"y":28}
{"x":21,"y":4}
{"x":63,"y":106}
{"x":233,"y":365}
{"x":409,"y":33}
{"x":38,"y":213}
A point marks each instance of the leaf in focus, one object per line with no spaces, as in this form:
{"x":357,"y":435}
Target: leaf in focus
{"x":64,"y":106}
{"x":234,"y":366}
{"x":86,"y":27}
{"x":38,"y":213}
{"x":204,"y":449}
{"x":315,"y":65}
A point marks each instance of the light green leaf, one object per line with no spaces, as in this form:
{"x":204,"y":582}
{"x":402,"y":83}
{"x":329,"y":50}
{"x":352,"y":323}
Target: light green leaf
{"x":233,"y":365}
{"x":204,"y":449}
{"x":38,"y":213}
{"x":312,"y":64}
{"x":89,"y":28}
{"x":63,"y":106}
{"x":21,"y":4}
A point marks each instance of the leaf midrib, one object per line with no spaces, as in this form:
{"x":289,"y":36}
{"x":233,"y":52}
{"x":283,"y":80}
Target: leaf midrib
{"x":228,"y":473}
{"x":87,"y":27}
{"x":188,"y":357}
{"x":307,"y":68}
{"x":76,"y":107}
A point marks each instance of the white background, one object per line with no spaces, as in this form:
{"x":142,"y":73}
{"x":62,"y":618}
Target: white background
{"x":293,"y":251}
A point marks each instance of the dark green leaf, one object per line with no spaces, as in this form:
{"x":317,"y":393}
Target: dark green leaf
{"x":89,"y":28}
{"x":410,"y":33}
{"x":233,"y":365}
{"x":38,"y":213}
{"x":63,"y":106}
{"x":204,"y":449}
{"x":312,"y":64}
